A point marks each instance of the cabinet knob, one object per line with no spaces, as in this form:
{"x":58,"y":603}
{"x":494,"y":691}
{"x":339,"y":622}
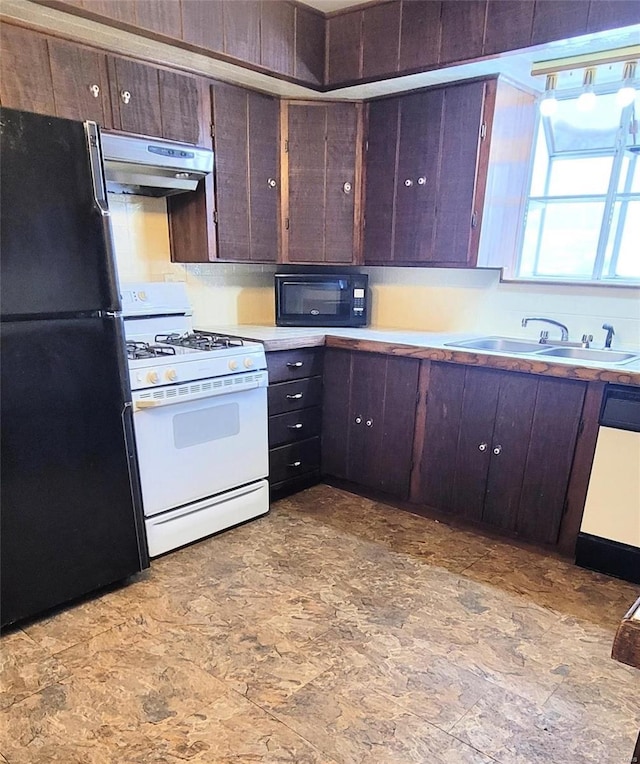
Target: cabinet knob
{"x":297,"y":426}
{"x":272,"y":183}
{"x":295,"y":464}
{"x":497,"y":450}
{"x":369,"y":422}
{"x":295,"y":396}
{"x":358,"y":420}
{"x":482,"y":447}
{"x":295,"y":364}
{"x":94,"y":90}
{"x":346,"y":187}
{"x":422,"y":180}
{"x":125,"y":95}
{"x":408,"y":182}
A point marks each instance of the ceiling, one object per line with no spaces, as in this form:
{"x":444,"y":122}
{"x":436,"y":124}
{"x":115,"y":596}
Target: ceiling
{"x":326,"y":6}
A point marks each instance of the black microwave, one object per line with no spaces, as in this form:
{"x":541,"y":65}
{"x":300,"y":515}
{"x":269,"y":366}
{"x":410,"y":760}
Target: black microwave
{"x":322,"y":299}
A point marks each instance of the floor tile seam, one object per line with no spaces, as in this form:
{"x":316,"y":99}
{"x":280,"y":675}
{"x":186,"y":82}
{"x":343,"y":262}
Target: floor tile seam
{"x":59,"y":680}
{"x":478,"y":673}
{"x":58,"y":653}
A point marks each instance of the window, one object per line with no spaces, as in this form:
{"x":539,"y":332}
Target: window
{"x":582,"y":219}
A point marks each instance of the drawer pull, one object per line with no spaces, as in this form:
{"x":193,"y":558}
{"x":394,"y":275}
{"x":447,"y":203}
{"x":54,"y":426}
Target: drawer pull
{"x":295,"y":364}
{"x":295,"y":464}
{"x":295,"y":396}
{"x":297,"y":426}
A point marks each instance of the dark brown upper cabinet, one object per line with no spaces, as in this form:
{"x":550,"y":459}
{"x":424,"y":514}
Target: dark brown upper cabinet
{"x":277,"y":37}
{"x":25,"y":81}
{"x":368,"y":420}
{"x":558,"y":20}
{"x":309,"y":43}
{"x":246,"y":140}
{"x":162,"y":16}
{"x":242,"y":30}
{"x":202,"y":23}
{"x":462,"y":29}
{"x":152,"y":101}
{"x":430,"y":158}
{"x":380,"y":39}
{"x":509,"y":25}
{"x":610,"y":14}
{"x":321,"y":168}
{"x":80,"y":82}
{"x":498,"y":448}
{"x":419,"y":34}
{"x":344,"y":47}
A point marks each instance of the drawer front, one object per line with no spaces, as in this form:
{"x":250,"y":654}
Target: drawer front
{"x":290,"y":461}
{"x":299,"y":394}
{"x":294,"y":426}
{"x":285,"y":365}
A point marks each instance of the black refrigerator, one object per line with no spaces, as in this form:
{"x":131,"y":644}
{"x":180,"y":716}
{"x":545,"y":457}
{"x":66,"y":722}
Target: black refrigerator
{"x":71,"y":516}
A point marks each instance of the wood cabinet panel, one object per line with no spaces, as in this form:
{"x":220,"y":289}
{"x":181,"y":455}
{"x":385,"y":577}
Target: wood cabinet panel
{"x":611,"y":14}
{"x":120,"y":10}
{"x":25,"y":81}
{"x":336,"y":424}
{"x":179,"y":106}
{"x":298,"y":394}
{"x":418,"y":181}
{"x":242,"y":30}
{"x":202,"y":23}
{"x":135,"y":97}
{"x":340,"y":182}
{"x":161,"y":16}
{"x":461,"y":122}
{"x":295,"y":459}
{"x":344,"y":47}
{"x":294,"y":426}
{"x":231,"y":171}
{"x":380,"y":184}
{"x":277,"y":36}
{"x":509,"y":25}
{"x":263,"y":113}
{"x":309,"y":46}
{"x":80,"y":82}
{"x":380,"y":39}
{"x":419,"y":34}
{"x":462,"y":29}
{"x":558,"y":20}
{"x":287,"y":365}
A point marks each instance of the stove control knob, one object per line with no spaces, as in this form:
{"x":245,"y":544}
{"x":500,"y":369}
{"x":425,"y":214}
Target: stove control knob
{"x":171,"y":375}
{"x":233,"y":365}
{"x":153,"y":378}
{"x":248,"y":362}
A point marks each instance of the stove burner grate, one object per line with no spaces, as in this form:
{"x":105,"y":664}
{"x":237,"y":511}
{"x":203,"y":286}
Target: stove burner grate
{"x":199,"y":340}
{"x":137,"y":350}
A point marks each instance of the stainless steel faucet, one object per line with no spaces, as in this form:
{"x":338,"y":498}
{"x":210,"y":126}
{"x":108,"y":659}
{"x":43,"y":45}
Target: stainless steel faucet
{"x":610,"y":332}
{"x":562,"y":327}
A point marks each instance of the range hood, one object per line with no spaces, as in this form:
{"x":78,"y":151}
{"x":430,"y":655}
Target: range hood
{"x":151,"y":167}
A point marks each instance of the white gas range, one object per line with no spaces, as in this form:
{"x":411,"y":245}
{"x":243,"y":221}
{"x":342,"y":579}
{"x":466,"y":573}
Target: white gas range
{"x":200,"y":419}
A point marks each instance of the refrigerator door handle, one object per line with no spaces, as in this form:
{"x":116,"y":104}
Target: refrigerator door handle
{"x":94,"y":151}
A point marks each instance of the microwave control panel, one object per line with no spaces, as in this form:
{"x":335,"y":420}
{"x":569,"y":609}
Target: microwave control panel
{"x":358,"y":301}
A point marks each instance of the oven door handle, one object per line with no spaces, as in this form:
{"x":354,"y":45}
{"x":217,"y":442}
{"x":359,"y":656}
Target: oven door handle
{"x":155,"y":403}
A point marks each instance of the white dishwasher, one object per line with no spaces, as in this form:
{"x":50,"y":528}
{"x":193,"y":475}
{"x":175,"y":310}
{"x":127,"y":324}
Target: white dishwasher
{"x":609,"y":538}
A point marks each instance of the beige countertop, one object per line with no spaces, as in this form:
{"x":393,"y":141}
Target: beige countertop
{"x":429,"y":345}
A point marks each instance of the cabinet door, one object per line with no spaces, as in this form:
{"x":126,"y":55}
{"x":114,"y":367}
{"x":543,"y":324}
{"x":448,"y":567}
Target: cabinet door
{"x":558,"y":20}
{"x":419,"y":34}
{"x":242,"y":30}
{"x":322,"y":185}
{"x":462,"y":29}
{"x":80,"y":84}
{"x":202,"y":23}
{"x":277,"y":36}
{"x":461,"y":122}
{"x":611,"y":14}
{"x":417,"y":187}
{"x":508,"y":27}
{"x":25,"y":81}
{"x":231,"y":171}
{"x":179,"y":106}
{"x":344,"y":47}
{"x":135,"y":97}
{"x":336,"y":421}
{"x":161,"y":16}
{"x":309,"y":43}
{"x":380,"y":187}
{"x":380,"y":39}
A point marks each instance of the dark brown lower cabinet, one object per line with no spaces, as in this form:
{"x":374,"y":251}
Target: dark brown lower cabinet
{"x":369,"y":409}
{"x":498,"y":448}
{"x":294,"y":398}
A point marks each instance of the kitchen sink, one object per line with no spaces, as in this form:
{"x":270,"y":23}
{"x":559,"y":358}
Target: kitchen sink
{"x":499,"y":345}
{"x":589,"y":354}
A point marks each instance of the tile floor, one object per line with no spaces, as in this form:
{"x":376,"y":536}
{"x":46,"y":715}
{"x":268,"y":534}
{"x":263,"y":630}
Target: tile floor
{"x":333,"y":630}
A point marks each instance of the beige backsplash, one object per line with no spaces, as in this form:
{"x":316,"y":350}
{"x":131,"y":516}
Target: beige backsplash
{"x":406,"y":298}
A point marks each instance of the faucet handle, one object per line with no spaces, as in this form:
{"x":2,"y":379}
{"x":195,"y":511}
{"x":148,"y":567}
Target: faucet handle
{"x":586,"y":339}
{"x":544,"y":336}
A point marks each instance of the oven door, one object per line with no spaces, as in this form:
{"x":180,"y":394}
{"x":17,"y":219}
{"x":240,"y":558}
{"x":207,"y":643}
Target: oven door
{"x":326,"y":301}
{"x":191,"y":450}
